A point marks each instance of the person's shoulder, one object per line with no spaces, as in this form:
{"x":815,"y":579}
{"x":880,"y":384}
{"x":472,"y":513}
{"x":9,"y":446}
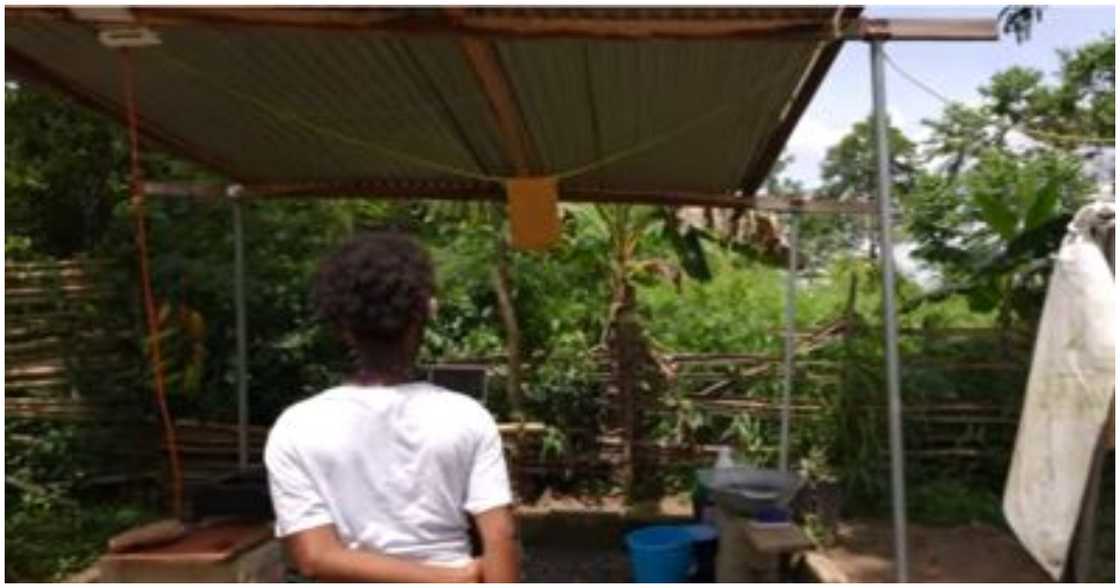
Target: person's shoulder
{"x":297,"y":414}
{"x":446,"y":395}
{"x":459,"y":403}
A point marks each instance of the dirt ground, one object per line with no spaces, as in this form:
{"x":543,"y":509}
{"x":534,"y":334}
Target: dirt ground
{"x":976,"y":553}
{"x":571,"y":540}
{"x":568,"y":539}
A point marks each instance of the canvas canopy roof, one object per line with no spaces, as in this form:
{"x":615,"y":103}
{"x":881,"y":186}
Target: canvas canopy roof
{"x":428,"y":100}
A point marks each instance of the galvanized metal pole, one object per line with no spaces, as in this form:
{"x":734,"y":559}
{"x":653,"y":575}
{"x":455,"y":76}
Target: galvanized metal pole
{"x":239,"y":302}
{"x":791,"y":337}
{"x":886,"y":252}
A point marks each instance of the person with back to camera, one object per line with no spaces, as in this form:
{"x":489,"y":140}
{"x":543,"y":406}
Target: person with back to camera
{"x":374,"y":480}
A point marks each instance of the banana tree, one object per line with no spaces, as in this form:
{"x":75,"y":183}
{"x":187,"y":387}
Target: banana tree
{"x":636,"y":239}
{"x":633,"y":365}
{"x":998,"y":246}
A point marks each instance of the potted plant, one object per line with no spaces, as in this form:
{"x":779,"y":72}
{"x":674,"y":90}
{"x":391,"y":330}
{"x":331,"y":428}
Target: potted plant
{"x":819,"y":503}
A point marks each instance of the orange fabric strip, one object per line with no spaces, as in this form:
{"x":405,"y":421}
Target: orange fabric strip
{"x":534,"y":212}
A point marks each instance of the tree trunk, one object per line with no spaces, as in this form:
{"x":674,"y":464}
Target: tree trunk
{"x":500,"y":279}
{"x":623,"y":371}
{"x":499,"y":276}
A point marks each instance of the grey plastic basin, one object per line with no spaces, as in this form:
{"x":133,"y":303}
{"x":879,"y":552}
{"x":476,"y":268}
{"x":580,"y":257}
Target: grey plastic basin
{"x":746,"y":489}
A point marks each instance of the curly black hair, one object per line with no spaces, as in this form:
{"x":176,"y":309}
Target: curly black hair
{"x":375,"y":287}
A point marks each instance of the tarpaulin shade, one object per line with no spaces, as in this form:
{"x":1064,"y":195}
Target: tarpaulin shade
{"x":332,"y":100}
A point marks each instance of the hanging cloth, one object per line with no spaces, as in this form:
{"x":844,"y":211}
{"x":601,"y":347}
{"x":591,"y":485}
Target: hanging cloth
{"x":534,"y":212}
{"x":1069,"y":394}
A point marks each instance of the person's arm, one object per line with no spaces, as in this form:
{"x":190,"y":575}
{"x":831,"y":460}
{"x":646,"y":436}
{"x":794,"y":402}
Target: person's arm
{"x":318,"y":554}
{"x":489,"y":501}
{"x":501,"y":554}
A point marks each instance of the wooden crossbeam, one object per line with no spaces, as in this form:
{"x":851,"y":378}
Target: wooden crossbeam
{"x":450,"y":190}
{"x":542,"y":23}
{"x":483,"y":60}
{"x":926,"y":29}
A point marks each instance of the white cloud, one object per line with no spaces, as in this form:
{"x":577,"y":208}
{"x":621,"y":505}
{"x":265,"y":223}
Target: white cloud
{"x":816,"y":134}
{"x":809,"y":143}
{"x":910,"y":126}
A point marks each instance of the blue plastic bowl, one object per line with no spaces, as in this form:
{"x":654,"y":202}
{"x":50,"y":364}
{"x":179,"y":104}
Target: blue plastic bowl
{"x":772,"y":514}
{"x":660,"y":554}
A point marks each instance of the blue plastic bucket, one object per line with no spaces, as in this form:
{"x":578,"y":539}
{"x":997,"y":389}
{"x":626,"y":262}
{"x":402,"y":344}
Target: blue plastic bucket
{"x":660,"y":554}
{"x":702,"y":533}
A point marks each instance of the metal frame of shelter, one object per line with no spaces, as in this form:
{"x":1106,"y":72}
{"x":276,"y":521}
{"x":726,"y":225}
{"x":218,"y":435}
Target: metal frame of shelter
{"x":876,"y":32}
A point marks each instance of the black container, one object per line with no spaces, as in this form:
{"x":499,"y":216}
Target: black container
{"x":705,"y":553}
{"x":239,"y":493}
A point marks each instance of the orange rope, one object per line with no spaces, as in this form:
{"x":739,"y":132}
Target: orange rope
{"x":137,"y":192}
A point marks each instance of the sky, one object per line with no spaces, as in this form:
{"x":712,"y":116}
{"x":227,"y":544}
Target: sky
{"x":956,"y":70}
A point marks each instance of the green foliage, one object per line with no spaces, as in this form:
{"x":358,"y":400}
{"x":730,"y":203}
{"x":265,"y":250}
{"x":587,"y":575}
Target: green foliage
{"x":54,"y":526}
{"x":822,"y":237}
{"x":951,"y":502}
{"x":987,"y":215}
{"x":697,"y":318}
{"x":42,"y":463}
{"x":18,"y":248}
{"x":849,"y":169}
{"x":739,"y":311}
{"x":466,"y":322}
{"x":849,"y":172}
{"x":46,"y":544}
{"x":1020,"y":19}
{"x":564,"y":391}
{"x":1076,"y":114}
{"x":61,"y":198}
{"x":1084,"y":101}
{"x":1013,"y":94}
{"x":190,"y":248}
{"x":957,"y":138}
{"x":546,"y":304}
{"x":690,"y":251}
{"x":991,"y":231}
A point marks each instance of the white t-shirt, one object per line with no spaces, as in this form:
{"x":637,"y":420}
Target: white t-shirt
{"x":394,"y":469}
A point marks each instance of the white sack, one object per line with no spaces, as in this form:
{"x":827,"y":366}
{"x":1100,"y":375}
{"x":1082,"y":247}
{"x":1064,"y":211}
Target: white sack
{"x":1068,"y":394}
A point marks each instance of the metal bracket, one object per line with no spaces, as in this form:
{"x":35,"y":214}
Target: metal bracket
{"x":128,"y":37}
{"x":117,"y":26}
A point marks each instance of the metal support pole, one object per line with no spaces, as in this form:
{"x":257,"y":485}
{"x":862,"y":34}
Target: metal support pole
{"x":886,"y":254}
{"x":242,"y":359}
{"x":791,"y":337}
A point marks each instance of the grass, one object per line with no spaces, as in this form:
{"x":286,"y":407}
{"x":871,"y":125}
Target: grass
{"x":742,"y":308}
{"x":949,"y":502}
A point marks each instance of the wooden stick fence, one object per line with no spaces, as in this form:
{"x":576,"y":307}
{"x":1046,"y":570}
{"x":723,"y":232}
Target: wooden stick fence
{"x":41,"y":296}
